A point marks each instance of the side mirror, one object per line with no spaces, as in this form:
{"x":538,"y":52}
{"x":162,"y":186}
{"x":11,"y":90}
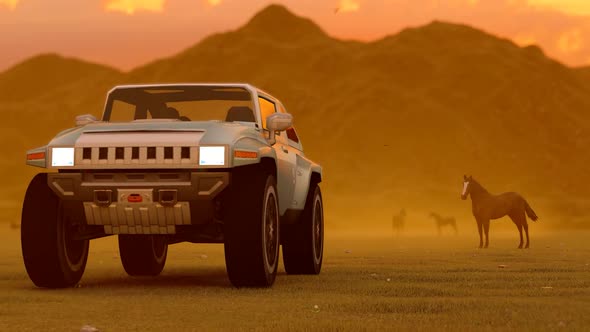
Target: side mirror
{"x":278,"y":122}
{"x":85,"y":119}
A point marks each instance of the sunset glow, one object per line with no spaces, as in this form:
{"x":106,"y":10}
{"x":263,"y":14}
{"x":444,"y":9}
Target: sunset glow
{"x":131,"y":6}
{"x":214,"y":2}
{"x":348,"y":6}
{"x":571,"y":7}
{"x":525,"y":40}
{"x":571,"y":41}
{"x":115,"y":32}
{"x":11,"y":4}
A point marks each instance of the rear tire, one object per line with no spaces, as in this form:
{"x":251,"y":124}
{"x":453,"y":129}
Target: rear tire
{"x":303,"y":242}
{"x":53,"y":257}
{"x":251,"y":230}
{"x":143,"y":255}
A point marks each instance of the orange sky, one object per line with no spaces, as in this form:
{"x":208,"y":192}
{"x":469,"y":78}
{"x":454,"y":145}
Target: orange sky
{"x":128,"y":33}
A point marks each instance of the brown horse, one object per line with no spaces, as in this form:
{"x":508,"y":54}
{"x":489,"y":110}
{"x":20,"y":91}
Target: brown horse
{"x":398,"y":222}
{"x":486,"y":206}
{"x":443,"y":221}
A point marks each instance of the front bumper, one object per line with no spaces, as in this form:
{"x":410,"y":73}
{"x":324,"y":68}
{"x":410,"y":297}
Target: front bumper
{"x":140,"y":202}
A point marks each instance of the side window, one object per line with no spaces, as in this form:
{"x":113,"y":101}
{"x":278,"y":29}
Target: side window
{"x":266,"y":108}
{"x":292,"y":135}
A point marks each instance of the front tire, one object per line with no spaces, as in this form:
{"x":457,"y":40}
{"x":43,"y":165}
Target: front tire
{"x":143,"y":255}
{"x":53,"y":257}
{"x":303,"y":242}
{"x":251,"y":231}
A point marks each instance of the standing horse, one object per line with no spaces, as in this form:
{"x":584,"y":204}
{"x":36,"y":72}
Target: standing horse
{"x":443,"y":221}
{"x":398,"y":222}
{"x":486,"y":206}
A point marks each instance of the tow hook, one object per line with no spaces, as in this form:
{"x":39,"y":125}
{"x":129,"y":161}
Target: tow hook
{"x":168,"y":197}
{"x":103,"y":197}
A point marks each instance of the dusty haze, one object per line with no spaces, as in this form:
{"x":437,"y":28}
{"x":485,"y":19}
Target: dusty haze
{"x":395,"y":123}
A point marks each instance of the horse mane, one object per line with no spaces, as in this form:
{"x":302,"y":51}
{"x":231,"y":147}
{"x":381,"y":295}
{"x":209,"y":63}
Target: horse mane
{"x":476,"y":185}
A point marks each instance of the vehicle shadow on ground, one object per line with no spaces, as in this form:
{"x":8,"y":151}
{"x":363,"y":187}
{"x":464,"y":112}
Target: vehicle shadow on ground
{"x":172,"y":278}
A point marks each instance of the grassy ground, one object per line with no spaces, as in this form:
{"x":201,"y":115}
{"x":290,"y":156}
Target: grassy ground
{"x":417,"y":283}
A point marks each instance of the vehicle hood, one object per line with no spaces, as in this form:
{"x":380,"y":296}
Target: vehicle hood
{"x":153,"y":131}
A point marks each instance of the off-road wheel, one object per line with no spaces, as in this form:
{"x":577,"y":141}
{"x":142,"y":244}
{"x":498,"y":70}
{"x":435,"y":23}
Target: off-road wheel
{"x":143,"y":255}
{"x":53,"y":256}
{"x":303,"y":242}
{"x":251,"y":230}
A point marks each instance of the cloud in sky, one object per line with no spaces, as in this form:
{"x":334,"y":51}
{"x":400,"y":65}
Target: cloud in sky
{"x":571,"y":7}
{"x":346,"y":6}
{"x":11,"y":4}
{"x":131,"y":6}
{"x":571,"y":41}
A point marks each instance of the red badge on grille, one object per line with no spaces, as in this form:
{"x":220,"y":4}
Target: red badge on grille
{"x":134,"y":198}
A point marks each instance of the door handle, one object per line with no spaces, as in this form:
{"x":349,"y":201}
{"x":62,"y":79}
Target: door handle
{"x":285,"y":150}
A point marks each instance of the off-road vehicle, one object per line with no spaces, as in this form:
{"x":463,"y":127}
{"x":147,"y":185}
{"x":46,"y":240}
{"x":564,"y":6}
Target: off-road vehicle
{"x":203,"y":163}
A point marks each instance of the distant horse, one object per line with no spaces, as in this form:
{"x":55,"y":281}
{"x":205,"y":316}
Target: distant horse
{"x":443,"y":221}
{"x":486,"y":206}
{"x":398,"y":222}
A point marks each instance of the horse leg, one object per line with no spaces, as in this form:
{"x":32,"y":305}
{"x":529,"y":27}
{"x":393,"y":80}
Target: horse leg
{"x":526,"y":230}
{"x":479,"y":229}
{"x":520,"y":231}
{"x":519,"y":219}
{"x":486,"y":228}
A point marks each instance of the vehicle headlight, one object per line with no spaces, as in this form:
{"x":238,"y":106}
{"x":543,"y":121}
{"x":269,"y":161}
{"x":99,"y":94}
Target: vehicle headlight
{"x":62,"y":157}
{"x":212,"y":155}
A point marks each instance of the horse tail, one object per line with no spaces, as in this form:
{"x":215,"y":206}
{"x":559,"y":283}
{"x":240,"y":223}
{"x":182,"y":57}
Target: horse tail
{"x":530,"y":212}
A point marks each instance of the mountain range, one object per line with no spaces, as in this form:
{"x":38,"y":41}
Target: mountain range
{"x":395,"y":122}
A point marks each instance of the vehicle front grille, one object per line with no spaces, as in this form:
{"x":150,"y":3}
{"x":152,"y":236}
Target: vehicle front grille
{"x":152,"y":156}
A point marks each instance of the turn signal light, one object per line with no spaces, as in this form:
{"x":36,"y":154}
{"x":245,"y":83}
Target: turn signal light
{"x":245,"y":154}
{"x":36,"y":156}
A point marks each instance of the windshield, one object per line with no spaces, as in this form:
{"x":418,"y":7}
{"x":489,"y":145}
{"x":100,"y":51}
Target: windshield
{"x":184,"y":103}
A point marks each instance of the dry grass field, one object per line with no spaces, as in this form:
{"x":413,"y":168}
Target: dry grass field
{"x":369,"y":282}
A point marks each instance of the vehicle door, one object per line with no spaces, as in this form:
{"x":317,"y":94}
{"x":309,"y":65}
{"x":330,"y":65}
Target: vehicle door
{"x":286,"y":159}
{"x":302,"y":166}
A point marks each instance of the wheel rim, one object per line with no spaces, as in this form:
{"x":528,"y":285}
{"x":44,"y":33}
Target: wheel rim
{"x":318,"y":230}
{"x":74,"y":248}
{"x":271,"y":228}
